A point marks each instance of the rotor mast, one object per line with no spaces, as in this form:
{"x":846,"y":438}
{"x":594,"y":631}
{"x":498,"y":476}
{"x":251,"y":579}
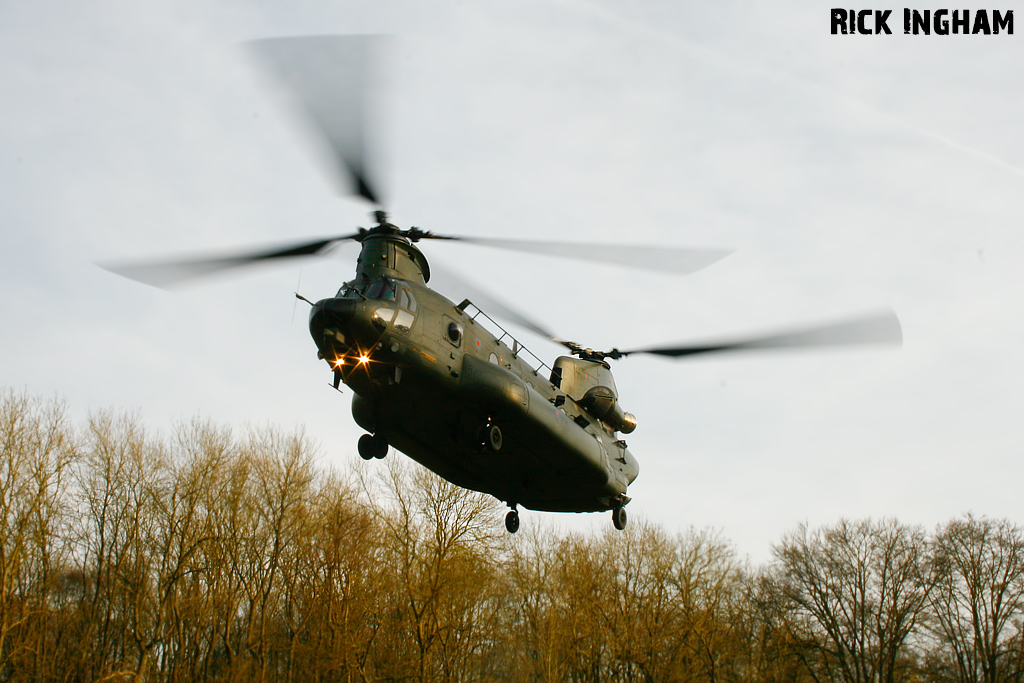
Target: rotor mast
{"x":388,"y":251}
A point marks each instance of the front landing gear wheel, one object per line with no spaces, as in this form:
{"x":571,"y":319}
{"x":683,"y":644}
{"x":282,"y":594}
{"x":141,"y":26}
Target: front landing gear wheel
{"x":372,"y":446}
{"x":512,"y":521}
{"x":619,"y":517}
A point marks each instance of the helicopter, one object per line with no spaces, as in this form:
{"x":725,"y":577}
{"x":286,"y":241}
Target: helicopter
{"x":444,"y":382}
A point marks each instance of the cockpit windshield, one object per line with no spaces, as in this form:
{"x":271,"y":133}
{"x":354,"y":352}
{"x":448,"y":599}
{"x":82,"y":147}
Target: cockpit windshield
{"x":382,"y":289}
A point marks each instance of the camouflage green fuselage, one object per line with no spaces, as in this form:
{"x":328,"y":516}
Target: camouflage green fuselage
{"x":429,"y":375}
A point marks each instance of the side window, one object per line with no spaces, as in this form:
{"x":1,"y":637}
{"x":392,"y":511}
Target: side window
{"x":406,"y":299}
{"x":453,"y":332}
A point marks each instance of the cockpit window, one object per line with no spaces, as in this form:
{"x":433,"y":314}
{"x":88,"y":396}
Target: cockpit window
{"x":347,"y":291}
{"x":382,"y":289}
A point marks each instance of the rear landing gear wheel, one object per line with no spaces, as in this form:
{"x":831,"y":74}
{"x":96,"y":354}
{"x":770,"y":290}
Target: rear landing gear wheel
{"x":512,"y":521}
{"x":619,"y":517}
{"x":372,"y":446}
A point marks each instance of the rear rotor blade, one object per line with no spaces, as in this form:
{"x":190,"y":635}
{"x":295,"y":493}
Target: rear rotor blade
{"x":674,"y":260}
{"x":168,"y":273}
{"x":333,"y":80}
{"x":878,"y":328}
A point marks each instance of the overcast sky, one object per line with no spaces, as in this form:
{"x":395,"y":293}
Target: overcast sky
{"x":849,"y":173}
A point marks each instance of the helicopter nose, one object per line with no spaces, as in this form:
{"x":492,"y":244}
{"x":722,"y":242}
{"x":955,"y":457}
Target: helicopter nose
{"x":328,"y":320}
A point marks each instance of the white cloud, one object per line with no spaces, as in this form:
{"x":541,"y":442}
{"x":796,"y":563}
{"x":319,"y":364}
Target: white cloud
{"x":851,"y":172}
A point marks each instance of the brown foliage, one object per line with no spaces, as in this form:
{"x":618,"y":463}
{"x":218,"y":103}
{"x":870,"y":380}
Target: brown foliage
{"x":210,"y":556}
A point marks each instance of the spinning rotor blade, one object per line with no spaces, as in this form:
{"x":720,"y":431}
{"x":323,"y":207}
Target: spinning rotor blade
{"x":450,"y":283}
{"x":878,"y":328}
{"x":332,"y":80}
{"x":674,"y":260}
{"x":166,"y":274}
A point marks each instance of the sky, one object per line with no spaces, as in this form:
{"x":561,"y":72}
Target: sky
{"x":849,"y":174}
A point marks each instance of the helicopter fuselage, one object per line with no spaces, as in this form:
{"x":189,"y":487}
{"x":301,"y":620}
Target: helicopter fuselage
{"x":448,"y":387}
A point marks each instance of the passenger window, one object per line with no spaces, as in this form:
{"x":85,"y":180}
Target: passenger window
{"x":454,"y":333}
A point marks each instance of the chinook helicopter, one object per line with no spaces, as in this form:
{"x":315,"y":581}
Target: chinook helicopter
{"x":444,"y":382}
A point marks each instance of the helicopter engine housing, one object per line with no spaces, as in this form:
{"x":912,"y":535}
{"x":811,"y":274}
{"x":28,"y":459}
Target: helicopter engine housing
{"x":590,"y":384}
{"x":602,"y":403}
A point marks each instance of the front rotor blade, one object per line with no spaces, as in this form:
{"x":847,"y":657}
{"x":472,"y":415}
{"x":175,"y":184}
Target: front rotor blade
{"x":878,"y":328}
{"x":168,"y":273}
{"x":674,"y":260}
{"x":333,"y":80}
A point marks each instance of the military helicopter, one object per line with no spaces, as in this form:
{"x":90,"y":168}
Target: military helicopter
{"x":445,"y":383}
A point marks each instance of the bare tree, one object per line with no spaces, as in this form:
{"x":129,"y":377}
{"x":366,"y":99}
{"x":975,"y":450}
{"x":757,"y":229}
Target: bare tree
{"x":440,"y":542}
{"x":280,"y":490}
{"x":584,"y":594}
{"x":538,"y":625}
{"x":772,"y":651}
{"x":978,"y":601}
{"x":857,"y":590}
{"x":36,"y":451}
{"x":639,"y":605}
{"x":334,"y":577}
{"x":126,"y":555}
{"x":709,"y":583}
{"x":110,"y":532}
{"x":178,"y":527}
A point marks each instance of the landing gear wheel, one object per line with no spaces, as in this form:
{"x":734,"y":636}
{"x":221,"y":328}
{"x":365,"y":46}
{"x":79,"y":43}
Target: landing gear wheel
{"x":512,"y":521}
{"x":372,"y":446}
{"x":492,"y":438}
{"x":366,"y":447}
{"x":619,"y":517}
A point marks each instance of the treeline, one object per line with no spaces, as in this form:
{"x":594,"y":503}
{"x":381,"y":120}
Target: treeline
{"x":209,"y":556}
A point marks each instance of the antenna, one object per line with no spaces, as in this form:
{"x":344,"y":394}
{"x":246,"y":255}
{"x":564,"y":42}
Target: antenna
{"x":298,"y":286}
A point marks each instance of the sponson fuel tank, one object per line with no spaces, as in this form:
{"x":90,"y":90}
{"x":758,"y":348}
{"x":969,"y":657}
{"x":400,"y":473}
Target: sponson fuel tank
{"x":549,"y":432}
